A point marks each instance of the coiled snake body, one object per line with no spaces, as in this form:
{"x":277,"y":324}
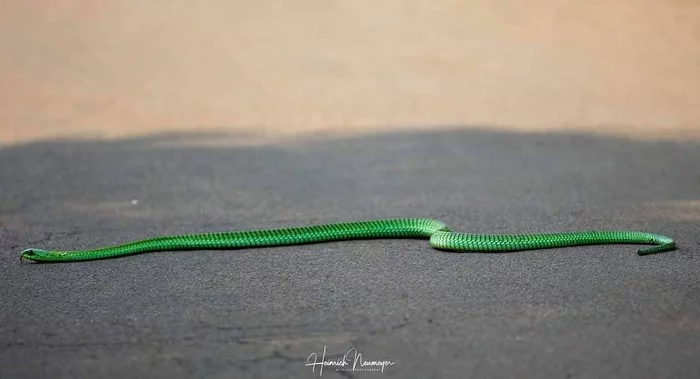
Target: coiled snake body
{"x":436,"y":231}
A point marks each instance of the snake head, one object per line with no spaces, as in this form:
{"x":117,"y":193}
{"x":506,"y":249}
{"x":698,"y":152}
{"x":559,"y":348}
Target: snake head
{"x":36,"y":255}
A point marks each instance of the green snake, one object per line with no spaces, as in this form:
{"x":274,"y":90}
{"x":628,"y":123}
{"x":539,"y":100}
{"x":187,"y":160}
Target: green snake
{"x":436,"y":231}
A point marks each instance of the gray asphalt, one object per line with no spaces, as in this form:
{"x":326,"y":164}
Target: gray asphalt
{"x":584,"y":312}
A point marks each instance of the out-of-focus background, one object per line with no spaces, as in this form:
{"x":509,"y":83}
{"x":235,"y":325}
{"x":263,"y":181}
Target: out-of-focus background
{"x":274,"y":69}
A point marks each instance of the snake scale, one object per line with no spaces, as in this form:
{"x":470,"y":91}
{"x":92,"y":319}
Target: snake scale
{"x":436,"y":231}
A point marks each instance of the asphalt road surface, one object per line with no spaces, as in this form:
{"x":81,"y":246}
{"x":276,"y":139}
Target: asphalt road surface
{"x":599,"y":311}
{"x":127,"y":120}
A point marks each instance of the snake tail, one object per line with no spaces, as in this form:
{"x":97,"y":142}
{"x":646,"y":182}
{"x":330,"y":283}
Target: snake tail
{"x":516,"y":242}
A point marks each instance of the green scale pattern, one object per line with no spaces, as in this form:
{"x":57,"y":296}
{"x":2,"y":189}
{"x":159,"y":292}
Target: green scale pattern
{"x":436,"y":231}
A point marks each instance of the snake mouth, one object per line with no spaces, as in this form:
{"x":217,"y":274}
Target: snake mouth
{"x":26,"y":254}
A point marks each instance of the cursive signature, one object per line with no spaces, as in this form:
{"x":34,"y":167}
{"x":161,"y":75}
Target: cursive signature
{"x":352,"y":360}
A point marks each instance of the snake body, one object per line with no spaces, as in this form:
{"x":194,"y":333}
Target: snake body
{"x":436,"y":231}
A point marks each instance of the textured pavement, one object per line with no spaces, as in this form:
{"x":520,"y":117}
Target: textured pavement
{"x":127,"y":120}
{"x":599,"y":311}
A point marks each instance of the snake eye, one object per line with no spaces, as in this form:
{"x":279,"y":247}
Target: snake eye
{"x":28,"y":253}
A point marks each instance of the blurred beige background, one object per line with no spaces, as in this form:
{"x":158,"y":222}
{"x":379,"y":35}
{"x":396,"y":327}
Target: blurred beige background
{"x":316,"y":68}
